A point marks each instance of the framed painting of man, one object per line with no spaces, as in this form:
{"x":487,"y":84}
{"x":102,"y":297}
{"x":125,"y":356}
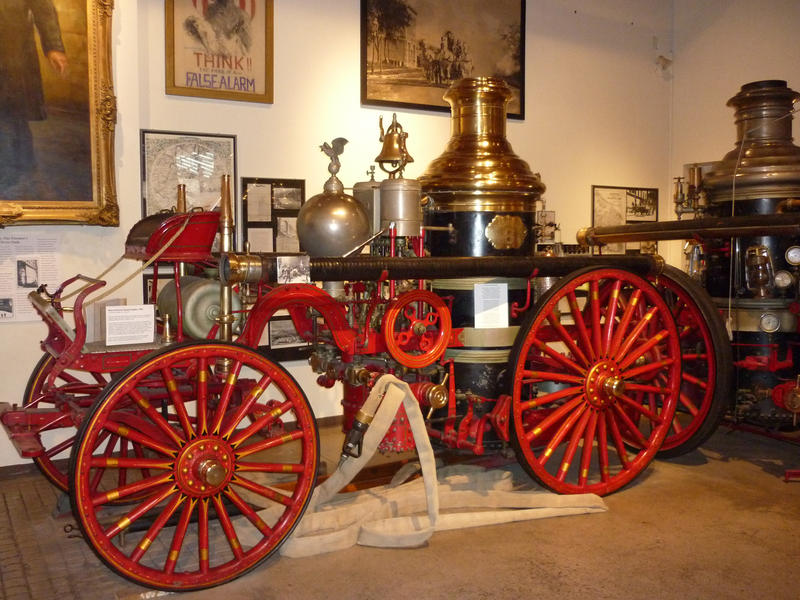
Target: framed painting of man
{"x":413,"y":50}
{"x":57,"y":113}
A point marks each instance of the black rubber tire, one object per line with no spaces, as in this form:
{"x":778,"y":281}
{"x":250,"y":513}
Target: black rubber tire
{"x":721,"y":399}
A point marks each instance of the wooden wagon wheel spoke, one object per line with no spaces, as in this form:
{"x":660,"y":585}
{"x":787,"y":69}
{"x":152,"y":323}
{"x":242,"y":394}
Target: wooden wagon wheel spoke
{"x":610,"y":316}
{"x":564,"y":336}
{"x":81,"y":388}
{"x":157,"y":526}
{"x":580,"y":323}
{"x":177,"y":401}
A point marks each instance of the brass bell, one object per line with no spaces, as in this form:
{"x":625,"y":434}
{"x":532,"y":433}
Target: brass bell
{"x":394,"y":151}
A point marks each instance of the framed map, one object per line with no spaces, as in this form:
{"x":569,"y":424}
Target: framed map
{"x":197,"y":160}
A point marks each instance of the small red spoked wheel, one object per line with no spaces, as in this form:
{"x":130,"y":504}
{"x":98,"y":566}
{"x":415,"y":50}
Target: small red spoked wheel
{"x":417,"y":328}
{"x":79,"y":388}
{"x":226,"y":483}
{"x":579,"y":363}
{"x":707,"y":363}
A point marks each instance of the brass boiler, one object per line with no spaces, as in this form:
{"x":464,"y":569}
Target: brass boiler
{"x":479,"y":192}
{"x":479,"y":200}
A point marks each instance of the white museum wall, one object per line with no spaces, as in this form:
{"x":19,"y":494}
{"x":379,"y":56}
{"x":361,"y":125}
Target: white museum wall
{"x":597,"y":112}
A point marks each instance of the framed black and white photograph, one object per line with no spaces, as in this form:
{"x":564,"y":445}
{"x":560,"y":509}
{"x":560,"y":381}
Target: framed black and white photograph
{"x":284,"y":341}
{"x":413,"y":50}
{"x":269,"y":213}
{"x":286,"y":239}
{"x":197,"y":160}
{"x":546,"y":226}
{"x":287,"y":198}
{"x":619,"y":205}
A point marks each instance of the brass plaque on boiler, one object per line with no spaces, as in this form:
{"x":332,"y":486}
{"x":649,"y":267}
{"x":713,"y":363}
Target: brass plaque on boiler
{"x":506,"y":232}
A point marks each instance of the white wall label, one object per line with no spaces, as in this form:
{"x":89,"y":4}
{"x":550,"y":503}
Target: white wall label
{"x":491,"y":305}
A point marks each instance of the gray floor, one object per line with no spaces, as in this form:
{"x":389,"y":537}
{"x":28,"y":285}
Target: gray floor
{"x":717,"y":523}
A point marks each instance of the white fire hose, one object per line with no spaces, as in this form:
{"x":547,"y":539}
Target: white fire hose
{"x":406,"y":514}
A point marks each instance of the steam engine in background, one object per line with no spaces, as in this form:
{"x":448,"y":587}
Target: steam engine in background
{"x":754,"y":280}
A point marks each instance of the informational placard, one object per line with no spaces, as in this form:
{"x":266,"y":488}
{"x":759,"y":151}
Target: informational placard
{"x":134,"y":324}
{"x":491,"y":305}
{"x":26,"y":262}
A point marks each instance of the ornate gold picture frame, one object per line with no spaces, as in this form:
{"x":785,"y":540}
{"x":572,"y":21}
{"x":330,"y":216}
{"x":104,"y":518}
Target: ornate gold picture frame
{"x":93,"y":199}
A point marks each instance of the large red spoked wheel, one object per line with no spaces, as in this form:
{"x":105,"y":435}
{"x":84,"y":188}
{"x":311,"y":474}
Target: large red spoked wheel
{"x":417,"y":328}
{"x":596,"y":364}
{"x":707,"y":363}
{"x":232,"y":458}
{"x":71,"y":390}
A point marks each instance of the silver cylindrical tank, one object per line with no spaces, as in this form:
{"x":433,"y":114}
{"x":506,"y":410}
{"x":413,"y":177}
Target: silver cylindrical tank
{"x":401,"y":205}
{"x":200,"y":305}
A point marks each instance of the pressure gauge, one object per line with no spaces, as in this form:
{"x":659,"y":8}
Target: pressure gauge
{"x":783,"y":280}
{"x":769,"y":323}
{"x":793,"y":255}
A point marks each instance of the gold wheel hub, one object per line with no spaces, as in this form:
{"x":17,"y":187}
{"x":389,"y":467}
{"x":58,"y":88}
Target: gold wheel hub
{"x":204,"y":466}
{"x":604,"y":384}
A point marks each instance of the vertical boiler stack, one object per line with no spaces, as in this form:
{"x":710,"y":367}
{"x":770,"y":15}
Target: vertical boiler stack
{"x":756,"y":279}
{"x":480,"y":201}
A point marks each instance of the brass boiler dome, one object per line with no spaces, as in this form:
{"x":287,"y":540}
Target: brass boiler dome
{"x":478,"y":161}
{"x":479,"y":187}
{"x":765,"y":162}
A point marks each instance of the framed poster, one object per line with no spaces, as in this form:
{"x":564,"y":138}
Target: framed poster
{"x":57,"y":114}
{"x":197,"y":160}
{"x":412,"y":50}
{"x":617,"y":205}
{"x":220,"y":49}
{"x":269,"y":213}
